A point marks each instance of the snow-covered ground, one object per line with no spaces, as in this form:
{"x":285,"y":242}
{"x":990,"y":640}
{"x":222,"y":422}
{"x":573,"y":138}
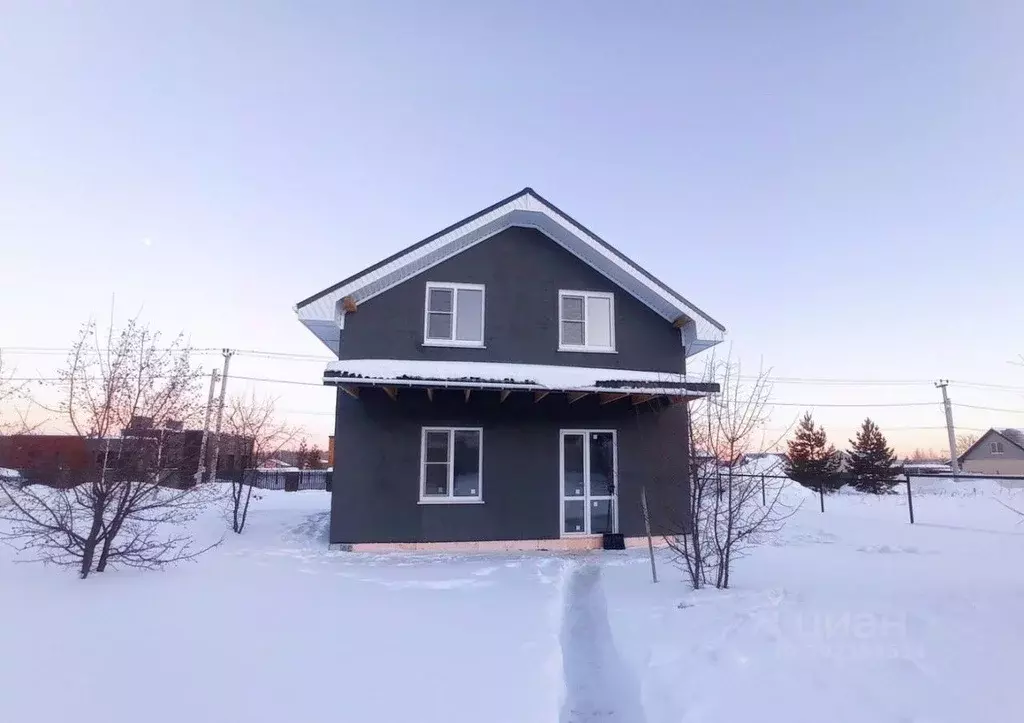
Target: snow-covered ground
{"x":271,"y":626}
{"x":851,"y":615}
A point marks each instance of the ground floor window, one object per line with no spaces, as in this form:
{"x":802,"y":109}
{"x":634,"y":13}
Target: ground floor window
{"x":451,"y":464}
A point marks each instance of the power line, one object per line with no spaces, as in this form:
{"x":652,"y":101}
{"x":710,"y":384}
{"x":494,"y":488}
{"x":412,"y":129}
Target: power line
{"x":285,"y":355}
{"x":278,"y":381}
{"x":865,"y":405}
{"x":983,"y":385}
{"x":41,"y":350}
{"x":838,"y":382}
{"x":859,"y":404}
{"x":989,"y":409}
{"x":202,"y":351}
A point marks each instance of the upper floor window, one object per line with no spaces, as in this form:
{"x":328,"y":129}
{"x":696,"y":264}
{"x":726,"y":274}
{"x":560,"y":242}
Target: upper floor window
{"x":996,"y":447}
{"x":586,"y":321}
{"x":454,"y":315}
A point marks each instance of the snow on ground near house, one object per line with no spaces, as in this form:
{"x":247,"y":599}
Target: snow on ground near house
{"x":852,"y":615}
{"x":848,"y":616}
{"x":271,"y":626}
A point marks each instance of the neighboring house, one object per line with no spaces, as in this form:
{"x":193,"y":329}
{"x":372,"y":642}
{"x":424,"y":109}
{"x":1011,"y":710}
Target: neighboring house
{"x":997,"y":452}
{"x":512,"y":379}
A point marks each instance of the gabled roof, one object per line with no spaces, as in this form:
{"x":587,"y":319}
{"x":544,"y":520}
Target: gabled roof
{"x":1013,"y":436}
{"x":323,"y":315}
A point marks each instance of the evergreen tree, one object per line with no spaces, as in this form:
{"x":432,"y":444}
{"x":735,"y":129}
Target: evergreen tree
{"x":813,"y":462}
{"x":302,"y":455}
{"x":313,"y":459}
{"x":872,"y":462}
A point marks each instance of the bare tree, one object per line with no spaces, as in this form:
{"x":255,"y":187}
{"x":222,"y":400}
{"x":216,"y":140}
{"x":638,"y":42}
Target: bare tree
{"x":253,"y":422}
{"x":12,"y":391}
{"x":728,"y":511}
{"x":124,"y":512}
{"x":964,"y":442}
{"x":925,"y":455}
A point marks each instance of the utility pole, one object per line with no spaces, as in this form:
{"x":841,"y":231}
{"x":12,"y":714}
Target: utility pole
{"x":220,"y":413}
{"x":201,"y":469}
{"x":950,"y":432}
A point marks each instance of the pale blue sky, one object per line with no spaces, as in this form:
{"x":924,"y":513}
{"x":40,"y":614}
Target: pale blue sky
{"x":841,"y":184}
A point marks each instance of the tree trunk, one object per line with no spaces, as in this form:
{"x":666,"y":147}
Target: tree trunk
{"x":89,"y":546}
{"x":236,"y":501}
{"x":88,"y":550}
{"x":105,"y":551}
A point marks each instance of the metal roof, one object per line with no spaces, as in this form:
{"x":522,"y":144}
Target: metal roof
{"x":321,"y":313}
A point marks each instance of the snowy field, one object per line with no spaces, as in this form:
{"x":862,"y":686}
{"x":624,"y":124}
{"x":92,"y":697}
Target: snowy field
{"x":853,"y":615}
{"x":272,"y":627}
{"x":849,"y":616}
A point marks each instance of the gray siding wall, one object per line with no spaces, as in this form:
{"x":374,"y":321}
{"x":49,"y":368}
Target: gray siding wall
{"x":983,"y":451}
{"x":377,"y":465}
{"x":523,"y":271}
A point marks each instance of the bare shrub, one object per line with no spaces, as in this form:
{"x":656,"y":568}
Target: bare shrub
{"x":122,"y":513}
{"x":726,"y":515}
{"x":254,"y":420}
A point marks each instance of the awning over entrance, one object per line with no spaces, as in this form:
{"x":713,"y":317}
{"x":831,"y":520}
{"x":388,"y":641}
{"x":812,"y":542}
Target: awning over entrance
{"x":577,"y":382}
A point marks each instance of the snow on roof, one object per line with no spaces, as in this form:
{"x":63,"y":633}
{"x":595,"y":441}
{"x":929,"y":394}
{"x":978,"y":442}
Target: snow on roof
{"x":9,"y":473}
{"x":322,"y":313}
{"x":495,"y":375}
{"x":1017,"y":435}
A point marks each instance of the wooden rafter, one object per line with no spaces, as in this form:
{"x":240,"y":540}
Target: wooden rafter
{"x":351,"y":391}
{"x":576,"y":396}
{"x":609,"y":397}
{"x":467,"y":394}
{"x":640,"y":398}
{"x":537,"y":396}
{"x":391,"y":392}
{"x":504,"y":395}
{"x":430,"y":394}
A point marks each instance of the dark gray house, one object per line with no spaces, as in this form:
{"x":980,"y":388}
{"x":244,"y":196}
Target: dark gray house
{"x":511,"y":382}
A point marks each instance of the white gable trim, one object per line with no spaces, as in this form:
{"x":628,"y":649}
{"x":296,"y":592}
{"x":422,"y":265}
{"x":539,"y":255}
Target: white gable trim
{"x":321,"y":314}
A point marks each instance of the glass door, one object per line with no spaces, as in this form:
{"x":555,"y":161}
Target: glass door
{"x":589,"y":476}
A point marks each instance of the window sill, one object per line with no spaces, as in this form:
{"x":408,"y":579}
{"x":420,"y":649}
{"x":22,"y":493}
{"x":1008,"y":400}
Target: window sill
{"x":451,"y":501}
{"x":455,"y":344}
{"x":586,"y":350}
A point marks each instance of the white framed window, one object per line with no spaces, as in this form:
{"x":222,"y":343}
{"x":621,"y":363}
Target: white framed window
{"x":996,"y":447}
{"x":451,"y":465}
{"x":586,"y":321}
{"x":453,"y":315}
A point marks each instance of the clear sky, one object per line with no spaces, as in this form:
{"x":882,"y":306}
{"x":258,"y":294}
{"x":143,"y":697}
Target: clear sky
{"x":840,"y":183}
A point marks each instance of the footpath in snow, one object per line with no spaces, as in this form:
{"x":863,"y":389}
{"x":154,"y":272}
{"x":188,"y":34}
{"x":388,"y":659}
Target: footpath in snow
{"x":598,"y":684}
